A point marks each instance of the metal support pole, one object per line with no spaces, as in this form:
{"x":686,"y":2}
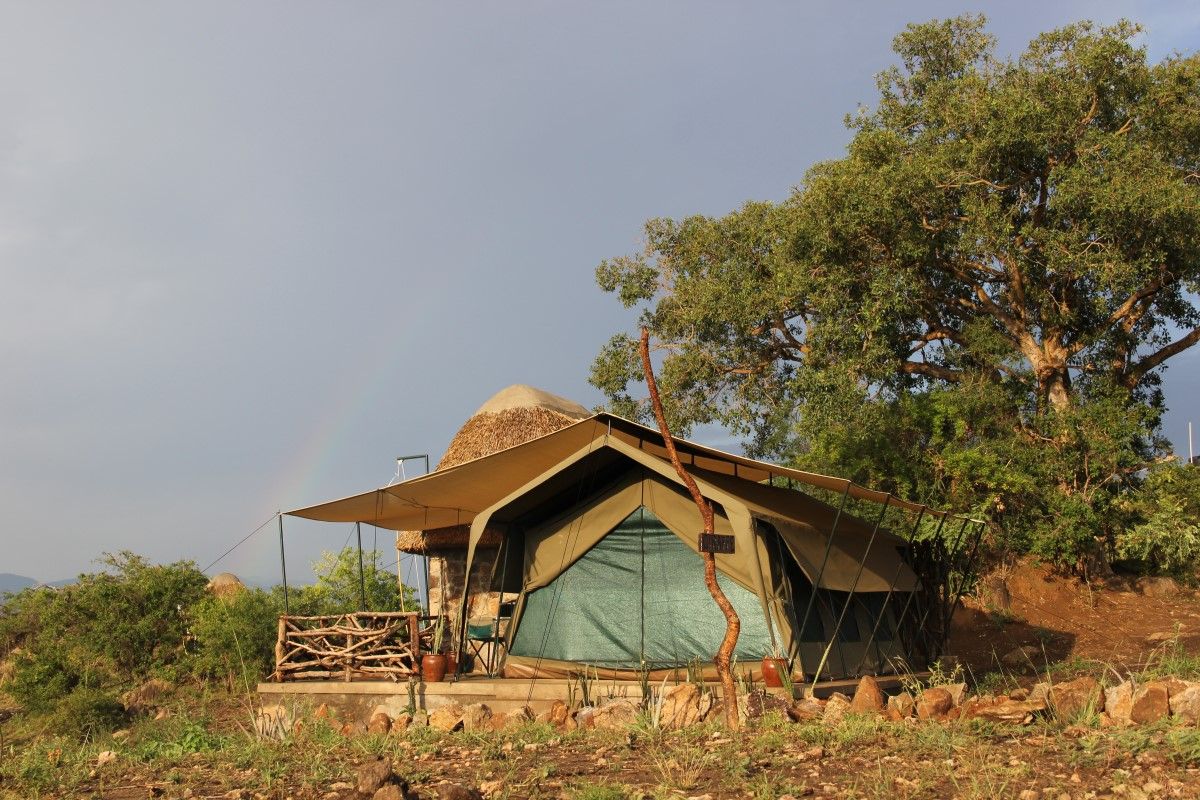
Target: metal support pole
{"x":283,"y":567}
{"x":956,"y":595}
{"x":362,"y":581}
{"x":888,"y":597}
{"x":912,"y":596}
{"x":816,"y":584}
{"x":853,"y":587}
{"x":943,"y":586}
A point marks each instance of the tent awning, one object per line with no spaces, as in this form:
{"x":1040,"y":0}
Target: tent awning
{"x":454,"y":496}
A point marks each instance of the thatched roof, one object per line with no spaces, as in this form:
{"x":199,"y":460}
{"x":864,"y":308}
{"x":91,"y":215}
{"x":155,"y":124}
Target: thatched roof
{"x":511,"y":417}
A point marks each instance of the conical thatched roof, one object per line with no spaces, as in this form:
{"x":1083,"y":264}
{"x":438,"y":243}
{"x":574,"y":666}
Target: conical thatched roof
{"x":511,"y":417}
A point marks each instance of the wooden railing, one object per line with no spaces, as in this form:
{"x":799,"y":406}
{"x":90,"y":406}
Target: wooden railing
{"x":367,"y":645}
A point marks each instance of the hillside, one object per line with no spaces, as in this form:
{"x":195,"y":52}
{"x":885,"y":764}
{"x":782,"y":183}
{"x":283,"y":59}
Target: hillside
{"x":14,"y":583}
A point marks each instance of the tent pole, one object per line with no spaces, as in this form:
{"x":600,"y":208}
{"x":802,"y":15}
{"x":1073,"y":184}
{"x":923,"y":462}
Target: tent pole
{"x":850,"y":596}
{"x":911,"y":596}
{"x":888,"y":597}
{"x":943,"y":584}
{"x":816,"y":583}
{"x":362,"y":581}
{"x":952,"y":605}
{"x":283,"y":567}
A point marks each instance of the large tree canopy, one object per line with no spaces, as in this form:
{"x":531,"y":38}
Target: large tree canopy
{"x":974,"y":304}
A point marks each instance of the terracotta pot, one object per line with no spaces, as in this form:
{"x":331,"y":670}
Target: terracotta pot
{"x":433,"y":667}
{"x":772,"y":669}
{"x":451,"y":663}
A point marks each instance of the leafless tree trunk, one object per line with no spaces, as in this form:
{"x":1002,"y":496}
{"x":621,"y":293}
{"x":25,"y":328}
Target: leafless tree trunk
{"x":733,"y":625}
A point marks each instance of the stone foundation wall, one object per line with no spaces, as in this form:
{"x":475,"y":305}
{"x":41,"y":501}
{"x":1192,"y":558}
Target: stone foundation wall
{"x":447,"y":569}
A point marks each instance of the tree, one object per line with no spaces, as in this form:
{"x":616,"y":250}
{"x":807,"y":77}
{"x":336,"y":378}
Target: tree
{"x":974,"y":305}
{"x":337,"y":589}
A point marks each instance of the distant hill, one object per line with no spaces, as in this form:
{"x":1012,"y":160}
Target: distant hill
{"x":14,"y":583}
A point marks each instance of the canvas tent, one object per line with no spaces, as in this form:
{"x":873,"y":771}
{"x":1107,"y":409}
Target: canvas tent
{"x":599,"y":547}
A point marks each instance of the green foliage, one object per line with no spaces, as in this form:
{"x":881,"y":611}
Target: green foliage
{"x":235,"y":636}
{"x":1165,"y":510}
{"x":338,"y":591}
{"x":86,"y":713}
{"x":972,"y":307}
{"x":109,"y":629}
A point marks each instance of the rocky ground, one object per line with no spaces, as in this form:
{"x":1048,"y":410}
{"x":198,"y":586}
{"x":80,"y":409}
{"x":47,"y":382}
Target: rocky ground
{"x":1058,"y":690}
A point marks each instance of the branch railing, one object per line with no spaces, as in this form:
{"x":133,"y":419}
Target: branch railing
{"x":366,"y":645}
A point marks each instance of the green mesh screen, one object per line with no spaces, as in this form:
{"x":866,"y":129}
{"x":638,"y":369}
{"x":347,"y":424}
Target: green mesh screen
{"x":637,"y":596}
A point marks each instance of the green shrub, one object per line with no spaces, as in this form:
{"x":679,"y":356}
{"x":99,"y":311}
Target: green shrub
{"x":86,"y":713}
{"x":235,"y":636}
{"x":1164,"y":534}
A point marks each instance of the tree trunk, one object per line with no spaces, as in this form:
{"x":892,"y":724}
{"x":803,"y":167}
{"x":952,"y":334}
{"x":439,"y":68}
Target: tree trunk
{"x":733,"y":625}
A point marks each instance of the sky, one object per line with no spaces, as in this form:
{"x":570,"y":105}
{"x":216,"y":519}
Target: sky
{"x":252,"y":252}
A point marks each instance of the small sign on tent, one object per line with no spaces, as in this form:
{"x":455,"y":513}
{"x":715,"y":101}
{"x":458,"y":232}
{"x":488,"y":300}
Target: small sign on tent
{"x":716,"y":543}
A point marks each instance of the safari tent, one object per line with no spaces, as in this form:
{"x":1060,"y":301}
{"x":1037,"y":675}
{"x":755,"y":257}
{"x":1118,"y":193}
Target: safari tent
{"x":588,"y":535}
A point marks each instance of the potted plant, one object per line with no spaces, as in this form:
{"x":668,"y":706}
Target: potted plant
{"x":775,"y":670}
{"x":433,"y":664}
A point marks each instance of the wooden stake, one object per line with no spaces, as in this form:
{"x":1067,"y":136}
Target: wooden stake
{"x":733,"y":625}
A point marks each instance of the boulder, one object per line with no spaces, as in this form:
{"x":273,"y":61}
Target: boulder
{"x":683,"y":705}
{"x":1019,"y":712}
{"x":615,"y":715}
{"x":1159,"y":586}
{"x":1073,"y":699}
{"x":477,"y":717}
{"x":806,"y":709}
{"x":390,"y":792}
{"x":957,"y":692}
{"x":836,"y":708}
{"x":447,"y":718}
{"x":868,"y":697}
{"x":380,"y":723}
{"x":453,"y":791}
{"x":401,"y":723}
{"x":354,"y":728}
{"x":372,"y":775}
{"x":557,"y":715}
{"x":1185,"y":704}
{"x":1118,"y":703}
{"x":933,"y":704}
{"x":902,"y":705}
{"x":1150,"y":703}
{"x":522,"y":716}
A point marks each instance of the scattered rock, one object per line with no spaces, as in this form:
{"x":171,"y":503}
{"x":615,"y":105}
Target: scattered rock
{"x":615,"y":715}
{"x":806,"y":709}
{"x":489,"y":788}
{"x":957,"y":692}
{"x":1019,"y":712}
{"x":372,"y":775}
{"x":477,"y":717}
{"x":390,"y":792}
{"x":1150,"y":703}
{"x":934,"y":703}
{"x":902,"y":705}
{"x":121,"y":735}
{"x":1072,"y":699}
{"x":355,"y":728}
{"x":452,"y":791}
{"x":105,"y":757}
{"x":1161,"y":636}
{"x":683,"y":705}
{"x":401,"y":723}
{"x":380,"y":723}
{"x":323,"y":711}
{"x":1118,"y":703}
{"x":447,"y":718}
{"x":557,"y":715}
{"x":868,"y":697}
{"x":584,"y":717}
{"x":522,"y":716}
{"x":836,"y":708}
{"x":1186,"y":704}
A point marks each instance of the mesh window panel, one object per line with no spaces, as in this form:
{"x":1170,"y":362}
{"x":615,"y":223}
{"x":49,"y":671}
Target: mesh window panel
{"x":637,"y":595}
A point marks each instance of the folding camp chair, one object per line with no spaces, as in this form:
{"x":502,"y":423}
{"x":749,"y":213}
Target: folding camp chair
{"x":490,"y":634}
